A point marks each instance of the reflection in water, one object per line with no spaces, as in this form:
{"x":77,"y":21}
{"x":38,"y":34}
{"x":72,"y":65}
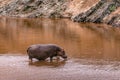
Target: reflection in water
{"x":89,"y":41}
{"x":47,"y":63}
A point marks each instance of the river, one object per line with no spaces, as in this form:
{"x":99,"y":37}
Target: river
{"x":93,"y":50}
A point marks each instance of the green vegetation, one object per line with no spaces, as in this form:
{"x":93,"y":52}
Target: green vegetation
{"x":112,"y":7}
{"x":26,"y":8}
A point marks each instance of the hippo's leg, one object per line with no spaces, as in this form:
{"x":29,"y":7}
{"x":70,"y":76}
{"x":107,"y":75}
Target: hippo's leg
{"x":30,"y":58}
{"x":58,"y":58}
{"x":40,"y":59}
{"x":51,"y":58}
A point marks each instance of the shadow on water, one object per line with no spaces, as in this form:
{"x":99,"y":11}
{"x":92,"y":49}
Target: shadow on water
{"x":53,"y":64}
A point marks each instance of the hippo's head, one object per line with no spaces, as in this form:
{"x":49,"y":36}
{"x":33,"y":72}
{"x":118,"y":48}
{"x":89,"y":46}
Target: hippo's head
{"x":62,"y":54}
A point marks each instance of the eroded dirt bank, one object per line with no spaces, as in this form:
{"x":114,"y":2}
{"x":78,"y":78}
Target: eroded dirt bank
{"x":106,"y":11}
{"x":96,"y":11}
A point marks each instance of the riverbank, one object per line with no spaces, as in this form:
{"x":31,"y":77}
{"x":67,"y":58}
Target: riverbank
{"x":103,"y":11}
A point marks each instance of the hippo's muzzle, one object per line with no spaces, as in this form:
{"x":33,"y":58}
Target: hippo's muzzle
{"x":64,"y":57}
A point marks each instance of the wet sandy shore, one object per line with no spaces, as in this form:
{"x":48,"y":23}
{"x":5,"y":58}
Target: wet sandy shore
{"x":18,"y":67}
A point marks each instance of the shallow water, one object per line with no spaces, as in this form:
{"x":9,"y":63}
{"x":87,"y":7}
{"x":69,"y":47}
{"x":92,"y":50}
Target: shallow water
{"x":93,"y":50}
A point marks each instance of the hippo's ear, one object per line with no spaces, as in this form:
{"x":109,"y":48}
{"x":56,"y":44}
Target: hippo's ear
{"x":63,"y":51}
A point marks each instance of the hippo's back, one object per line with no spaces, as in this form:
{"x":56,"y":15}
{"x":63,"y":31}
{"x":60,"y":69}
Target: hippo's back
{"x":43,"y":48}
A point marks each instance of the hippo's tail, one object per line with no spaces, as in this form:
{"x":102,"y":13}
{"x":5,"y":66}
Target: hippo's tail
{"x":28,"y":50}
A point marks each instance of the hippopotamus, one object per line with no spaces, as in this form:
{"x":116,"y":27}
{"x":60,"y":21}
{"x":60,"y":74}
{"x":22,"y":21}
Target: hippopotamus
{"x":44,"y":51}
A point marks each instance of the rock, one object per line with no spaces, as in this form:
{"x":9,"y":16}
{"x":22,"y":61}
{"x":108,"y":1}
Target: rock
{"x":113,"y":19}
{"x":97,"y":11}
{"x":76,"y":7}
{"x":34,"y":8}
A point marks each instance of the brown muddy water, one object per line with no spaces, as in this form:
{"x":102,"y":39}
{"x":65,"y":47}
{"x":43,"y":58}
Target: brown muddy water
{"x":93,"y":50}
